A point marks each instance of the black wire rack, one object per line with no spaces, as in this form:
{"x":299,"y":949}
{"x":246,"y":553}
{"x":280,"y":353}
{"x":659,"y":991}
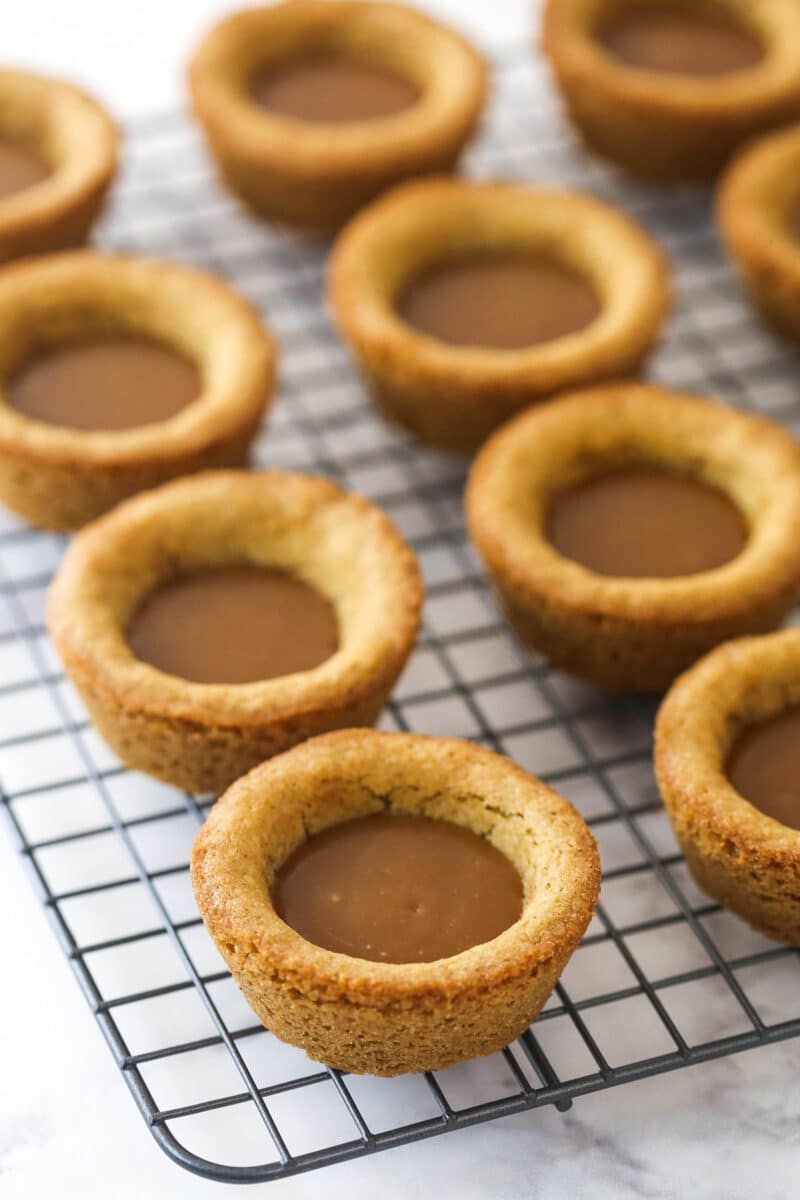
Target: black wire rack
{"x":663,"y":978}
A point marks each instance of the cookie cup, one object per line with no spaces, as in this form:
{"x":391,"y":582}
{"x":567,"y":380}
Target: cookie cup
{"x":60,"y":478}
{"x":622,"y":633}
{"x":202,"y":736}
{"x":454,"y":396}
{"x":758,"y":199}
{"x":388,"y":1018}
{"x":664,"y":126}
{"x":746,"y":860}
{"x":73,"y":135}
{"x":315,"y":175}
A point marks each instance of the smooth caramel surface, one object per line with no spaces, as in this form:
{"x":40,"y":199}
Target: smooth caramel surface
{"x":332,"y":90}
{"x":677,"y":41}
{"x":234,"y":624}
{"x":793,"y":221}
{"x":106,"y":383}
{"x":502,"y":302}
{"x":764,"y":766}
{"x":643,"y":522}
{"x":398,"y":888}
{"x":19,"y":169}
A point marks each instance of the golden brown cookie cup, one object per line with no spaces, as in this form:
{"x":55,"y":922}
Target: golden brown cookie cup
{"x":387,"y":1018}
{"x":60,"y":478}
{"x":454,"y":396}
{"x":74,"y":136}
{"x":202,"y":736}
{"x":635,"y":633}
{"x":312,"y":175}
{"x":758,"y":198}
{"x":746,"y":860}
{"x":664,"y":126}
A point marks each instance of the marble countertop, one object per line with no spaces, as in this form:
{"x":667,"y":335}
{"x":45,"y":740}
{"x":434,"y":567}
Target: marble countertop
{"x":727,"y":1130}
{"x":722,"y":1131}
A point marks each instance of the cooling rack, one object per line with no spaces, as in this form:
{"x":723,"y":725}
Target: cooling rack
{"x":663,"y":978}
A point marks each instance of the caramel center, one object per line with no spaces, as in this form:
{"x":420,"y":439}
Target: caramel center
{"x":398,"y":888}
{"x":108,"y":383}
{"x":234,"y":624}
{"x":793,"y":221}
{"x":643,"y":522}
{"x":19,"y":169}
{"x":501,"y":302}
{"x":332,"y":90}
{"x":677,"y":41}
{"x":764,"y":767}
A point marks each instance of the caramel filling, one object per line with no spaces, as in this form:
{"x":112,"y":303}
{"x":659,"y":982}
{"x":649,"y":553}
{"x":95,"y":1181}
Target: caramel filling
{"x":794,"y":221}
{"x":500,"y":302}
{"x":19,"y":169}
{"x":398,"y":888}
{"x":764,"y":767}
{"x":332,"y":90}
{"x":108,"y":383}
{"x":643,"y":522}
{"x":677,"y":41}
{"x":234,"y":624}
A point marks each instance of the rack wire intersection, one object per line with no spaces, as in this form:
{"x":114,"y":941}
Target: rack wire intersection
{"x":663,"y":978}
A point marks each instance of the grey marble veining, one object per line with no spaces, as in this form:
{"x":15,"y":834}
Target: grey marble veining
{"x":727,"y":1130}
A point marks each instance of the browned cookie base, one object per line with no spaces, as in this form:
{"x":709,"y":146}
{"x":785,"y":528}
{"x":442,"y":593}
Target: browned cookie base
{"x":670,"y":127}
{"x":454,"y":396}
{"x":314,"y":176}
{"x":746,"y":860}
{"x":758,"y":202}
{"x":635,"y":633}
{"x":70,"y":132}
{"x":202,"y":736}
{"x":60,"y":478}
{"x":386,"y":1018}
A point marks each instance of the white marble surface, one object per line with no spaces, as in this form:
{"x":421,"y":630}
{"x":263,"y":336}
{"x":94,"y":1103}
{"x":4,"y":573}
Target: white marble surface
{"x":722,"y":1131}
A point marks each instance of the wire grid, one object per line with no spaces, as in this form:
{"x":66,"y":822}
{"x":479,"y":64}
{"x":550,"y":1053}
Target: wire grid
{"x":663,"y":978}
